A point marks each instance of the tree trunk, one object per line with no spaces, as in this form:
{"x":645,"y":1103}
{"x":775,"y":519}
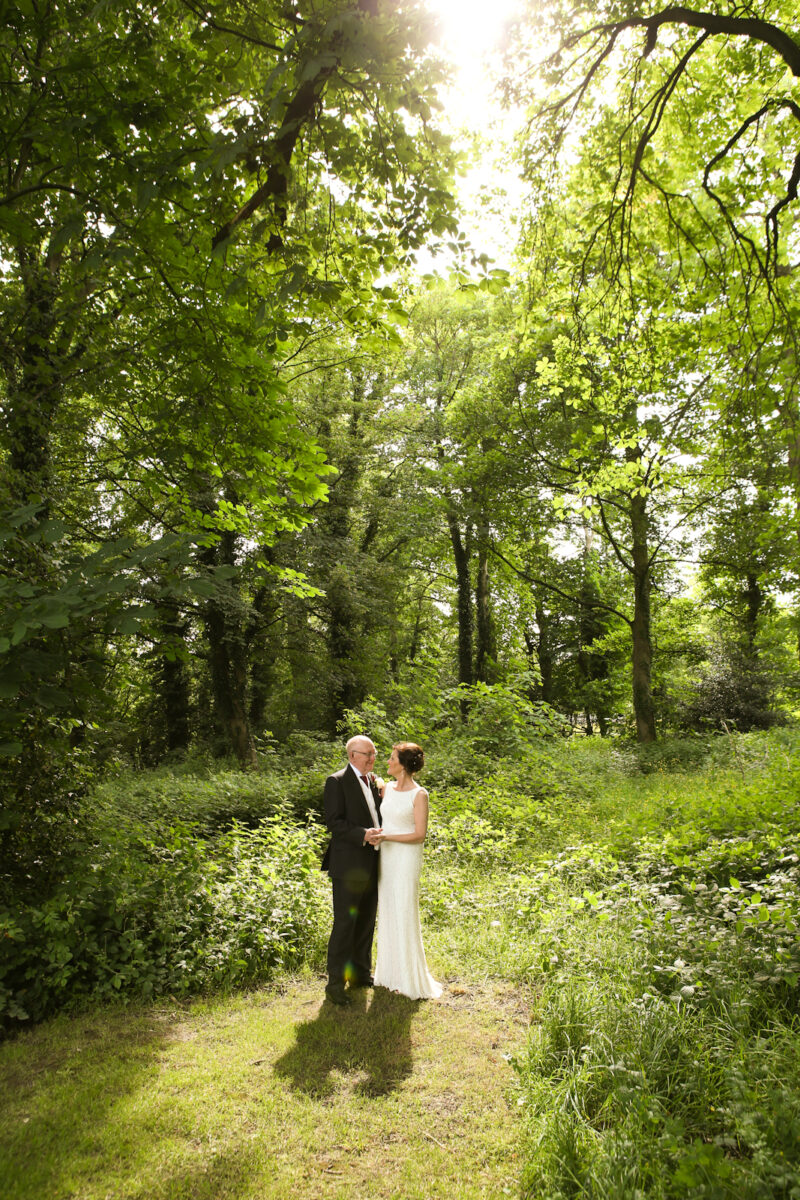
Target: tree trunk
{"x":228,"y":677}
{"x":794,"y":483}
{"x":345,"y":630}
{"x":640,"y":626}
{"x":34,"y":387}
{"x":173,"y":676}
{"x":543,"y":653}
{"x":593,"y":666}
{"x":264,"y":615}
{"x":754,"y":599}
{"x":228,"y":659}
{"x":464,"y":592}
{"x":303,"y":647}
{"x":540,"y":645}
{"x":486,"y":649}
{"x":416,"y":632}
{"x":343,"y":641}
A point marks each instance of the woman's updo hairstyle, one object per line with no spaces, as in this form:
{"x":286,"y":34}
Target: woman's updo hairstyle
{"x":410,"y":756}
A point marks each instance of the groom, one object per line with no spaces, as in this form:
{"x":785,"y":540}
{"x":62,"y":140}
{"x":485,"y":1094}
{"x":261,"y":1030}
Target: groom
{"x":352,"y":805}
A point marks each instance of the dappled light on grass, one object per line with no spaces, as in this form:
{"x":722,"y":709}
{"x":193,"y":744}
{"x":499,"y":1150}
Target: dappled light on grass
{"x":263,"y":1096}
{"x":82,"y":1090}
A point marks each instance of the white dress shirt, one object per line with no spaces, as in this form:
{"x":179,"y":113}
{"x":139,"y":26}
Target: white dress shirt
{"x":368,"y":796}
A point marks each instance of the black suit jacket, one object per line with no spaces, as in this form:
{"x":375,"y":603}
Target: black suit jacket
{"x":347,"y":816}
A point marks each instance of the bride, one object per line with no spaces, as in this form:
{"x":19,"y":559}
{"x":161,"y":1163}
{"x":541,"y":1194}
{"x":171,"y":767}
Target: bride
{"x":401,"y":964}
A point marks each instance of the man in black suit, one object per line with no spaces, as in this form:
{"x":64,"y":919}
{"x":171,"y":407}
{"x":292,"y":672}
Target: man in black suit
{"x":352,"y":804}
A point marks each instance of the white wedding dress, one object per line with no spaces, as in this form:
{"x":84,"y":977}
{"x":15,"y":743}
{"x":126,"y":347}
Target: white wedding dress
{"x":401,"y":964}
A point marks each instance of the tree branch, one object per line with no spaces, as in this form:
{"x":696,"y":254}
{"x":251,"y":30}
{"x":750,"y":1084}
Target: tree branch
{"x":551,"y":587}
{"x":712,"y":23}
{"x":597,"y":41}
{"x":202,"y":14}
{"x":299,"y":112}
{"x":279,"y":152}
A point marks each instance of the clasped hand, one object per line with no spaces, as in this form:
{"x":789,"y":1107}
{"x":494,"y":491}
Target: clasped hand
{"x":373,"y":837}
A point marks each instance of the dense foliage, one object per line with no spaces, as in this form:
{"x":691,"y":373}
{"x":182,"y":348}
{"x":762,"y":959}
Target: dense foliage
{"x":254,"y":473}
{"x":144,"y":917}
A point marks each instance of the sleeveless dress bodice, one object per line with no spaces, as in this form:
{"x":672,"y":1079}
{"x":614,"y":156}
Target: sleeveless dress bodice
{"x":397,"y":814}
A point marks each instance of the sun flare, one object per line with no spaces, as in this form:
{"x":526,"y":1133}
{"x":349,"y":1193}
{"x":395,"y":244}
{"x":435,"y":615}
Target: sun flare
{"x":469,"y":32}
{"x":470,"y":28}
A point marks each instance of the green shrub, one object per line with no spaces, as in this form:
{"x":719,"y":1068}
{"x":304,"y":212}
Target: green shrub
{"x":500,"y":719}
{"x":675,"y":754}
{"x":372,"y":720}
{"x":143,"y":917}
{"x":291,"y":784}
{"x":734,"y":688}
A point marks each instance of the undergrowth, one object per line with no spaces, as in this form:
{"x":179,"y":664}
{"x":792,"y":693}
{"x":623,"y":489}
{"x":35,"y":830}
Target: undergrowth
{"x":142,"y":916}
{"x":664,"y":1056}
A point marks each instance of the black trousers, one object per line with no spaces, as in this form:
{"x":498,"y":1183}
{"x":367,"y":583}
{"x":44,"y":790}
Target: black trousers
{"x":355,"y":903}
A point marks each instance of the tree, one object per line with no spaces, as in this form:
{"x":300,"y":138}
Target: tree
{"x":165,"y":256}
{"x":454,"y":441}
{"x":607,"y":424}
{"x":690,"y":119}
{"x":658,"y":74}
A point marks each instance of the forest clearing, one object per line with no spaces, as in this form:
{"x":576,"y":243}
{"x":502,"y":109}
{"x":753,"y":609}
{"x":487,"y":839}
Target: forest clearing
{"x":425,"y":373}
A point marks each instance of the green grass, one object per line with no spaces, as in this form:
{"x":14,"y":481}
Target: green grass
{"x":661,"y":944}
{"x":269,"y":1094}
{"x":664,"y":1058}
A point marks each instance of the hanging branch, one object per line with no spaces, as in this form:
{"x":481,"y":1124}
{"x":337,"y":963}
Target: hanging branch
{"x":279,"y":151}
{"x":593,"y":604}
{"x":711,"y":23}
{"x":298,"y":114}
{"x":588,"y":49}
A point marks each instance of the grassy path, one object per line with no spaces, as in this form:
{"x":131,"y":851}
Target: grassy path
{"x":269,"y":1094}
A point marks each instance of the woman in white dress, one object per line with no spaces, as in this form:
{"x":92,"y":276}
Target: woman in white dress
{"x":401,"y":964}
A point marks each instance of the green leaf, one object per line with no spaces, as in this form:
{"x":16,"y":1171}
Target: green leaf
{"x":55,"y":620}
{"x":71,"y":228}
{"x":18,"y":631}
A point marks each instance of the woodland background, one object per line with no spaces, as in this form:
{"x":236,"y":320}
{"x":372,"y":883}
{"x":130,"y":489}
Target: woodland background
{"x":265,"y":483}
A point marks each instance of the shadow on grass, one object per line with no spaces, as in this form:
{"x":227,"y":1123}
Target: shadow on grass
{"x":369,"y":1039}
{"x":227,"y":1174}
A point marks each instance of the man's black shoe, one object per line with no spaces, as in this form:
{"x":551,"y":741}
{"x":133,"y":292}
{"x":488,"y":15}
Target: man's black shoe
{"x":337,"y":994}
